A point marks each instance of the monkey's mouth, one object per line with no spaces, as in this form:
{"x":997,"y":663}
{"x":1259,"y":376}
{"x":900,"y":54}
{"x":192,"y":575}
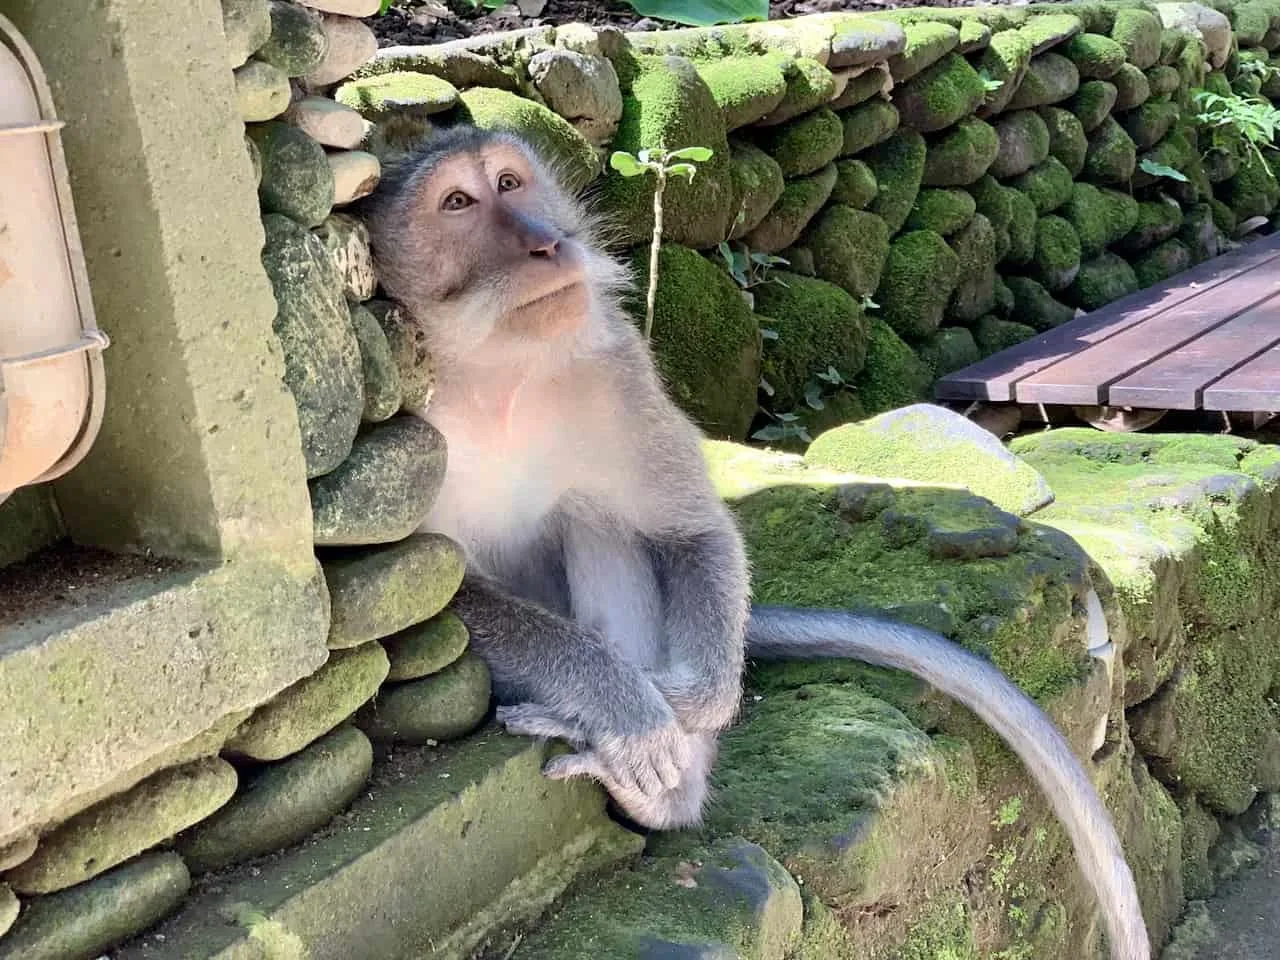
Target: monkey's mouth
{"x":546,"y":294}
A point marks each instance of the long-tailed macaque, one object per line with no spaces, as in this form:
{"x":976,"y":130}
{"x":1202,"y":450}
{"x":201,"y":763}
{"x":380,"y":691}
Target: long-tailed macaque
{"x":607,"y":584}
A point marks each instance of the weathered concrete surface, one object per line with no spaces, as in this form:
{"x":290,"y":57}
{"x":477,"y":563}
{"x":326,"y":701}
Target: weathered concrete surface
{"x":444,"y":847}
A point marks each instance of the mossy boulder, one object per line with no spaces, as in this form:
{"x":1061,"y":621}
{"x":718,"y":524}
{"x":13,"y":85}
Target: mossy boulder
{"x":298,"y":41}
{"x":800,"y":201}
{"x":1067,"y":139}
{"x":386,"y":95}
{"x":1024,"y":143}
{"x":1022,"y":228}
{"x":1250,"y":23}
{"x":867,"y":124}
{"x":855,"y":184}
{"x":572,"y":154}
{"x":898,"y":165}
{"x":1050,"y":78}
{"x":1048,"y":186}
{"x":1101,"y":280}
{"x":1253,"y":192}
{"x":415,"y":367}
{"x":1157,"y":221}
{"x":1093,"y":103}
{"x":1057,"y":253}
{"x":706,"y":342}
{"x":262,"y":91}
{"x":426,"y":648}
{"x":1132,"y":87}
{"x":1005,"y":61}
{"x":975,"y":250}
{"x":1035,"y":306}
{"x":894,"y":375}
{"x":992,"y":334}
{"x":942,"y":211}
{"x":1095,"y":56}
{"x":1221,"y":163}
{"x":669,"y":104}
{"x":1172,"y":43}
{"x":1138,"y":32}
{"x":927,"y":43}
{"x":757,"y":183}
{"x":849,"y":248}
{"x":818,"y":324}
{"x":1112,"y":156}
{"x":993,"y":202}
{"x":1099,"y":216}
{"x":809,"y":85}
{"x":1199,"y":234}
{"x":1224,"y":218}
{"x":948,"y":350}
{"x":805,"y":144}
{"x":1047,"y":30}
{"x":919,"y":277}
{"x":443,"y":706}
{"x":747,"y":89}
{"x":940,"y":95}
{"x":1147,"y":124}
{"x":961,"y":155}
{"x":1161,"y":262}
{"x":1175,"y":151}
{"x":1164,"y":81}
{"x":297,"y":181}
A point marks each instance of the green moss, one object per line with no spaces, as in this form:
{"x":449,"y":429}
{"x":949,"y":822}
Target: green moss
{"x":1247,"y":85}
{"x":555,"y":138}
{"x":1253,"y":191}
{"x":993,"y":202}
{"x":1199,"y":233}
{"x":898,"y":165}
{"x":1005,"y":60}
{"x":1099,"y":216}
{"x":961,"y":155}
{"x":669,"y":105}
{"x":945,"y":933}
{"x":849,"y":248}
{"x":861,"y":88}
{"x":1093,"y":103}
{"x":1138,"y":31}
{"x":940,"y":95}
{"x":297,"y":180}
{"x":975,"y":250}
{"x":1067,"y":140}
{"x":1101,"y":280}
{"x":1035,"y":306}
{"x":1022,"y":228}
{"x":1112,"y":156}
{"x":893,"y":376}
{"x":757,"y":183}
{"x":1250,"y":23}
{"x":706,"y":341}
{"x":298,"y":42}
{"x":867,"y":124}
{"x":1050,"y":78}
{"x":1132,"y":88}
{"x":1175,"y":151}
{"x":1192,"y":67}
{"x":1005,"y":304}
{"x":380,"y":97}
{"x":855,"y":184}
{"x":809,"y":86}
{"x":942,"y":211}
{"x":1217,"y":82}
{"x":993,"y":334}
{"x":746,"y":88}
{"x":927,"y":43}
{"x":919,"y":276}
{"x":1095,"y":56}
{"x":1157,"y":221}
{"x":1048,"y":30}
{"x":800,"y":201}
{"x":1023,"y":143}
{"x":1161,"y":262}
{"x":1146,"y":125}
{"x":950,"y":349}
{"x":804,"y":145}
{"x":818,"y":325}
{"x":1163,"y":81}
{"x":1048,"y":186}
{"x":1224,"y":218}
{"x":1057,"y":253}
{"x":1200,"y":831}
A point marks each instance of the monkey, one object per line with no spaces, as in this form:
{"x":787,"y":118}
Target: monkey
{"x":607,"y":585}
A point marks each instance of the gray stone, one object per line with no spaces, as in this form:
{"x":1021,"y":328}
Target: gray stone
{"x":296,"y":178}
{"x":262,"y":91}
{"x":1050,"y":78}
{"x":582,"y":89}
{"x":301,"y":714}
{"x":453,"y":62}
{"x":124,"y":826}
{"x":16,"y":851}
{"x":351,"y":45}
{"x":255,"y":160}
{"x":282,"y":803}
{"x":381,"y":378}
{"x":1024,"y":143}
{"x":90,"y":919}
{"x":9,"y":908}
{"x":246,"y":24}
{"x":929,"y":443}
{"x":866,"y":41}
{"x":355,"y":174}
{"x":377,"y":592}
{"x":426,"y":648}
{"x":347,"y":8}
{"x":1202,"y":22}
{"x":321,"y":354}
{"x":347,"y":241}
{"x":385,"y":487}
{"x":327,"y":122}
{"x":444,"y":706}
{"x":384,"y":95}
{"x":409,"y":350}
{"x":298,"y":42}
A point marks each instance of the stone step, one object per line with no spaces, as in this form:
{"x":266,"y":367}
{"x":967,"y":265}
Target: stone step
{"x":445,"y":846}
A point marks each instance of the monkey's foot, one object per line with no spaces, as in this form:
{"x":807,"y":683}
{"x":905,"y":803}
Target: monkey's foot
{"x":533,"y":720}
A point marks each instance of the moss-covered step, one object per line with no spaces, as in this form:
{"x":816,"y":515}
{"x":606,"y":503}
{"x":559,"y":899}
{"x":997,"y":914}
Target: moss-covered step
{"x":480,"y":810}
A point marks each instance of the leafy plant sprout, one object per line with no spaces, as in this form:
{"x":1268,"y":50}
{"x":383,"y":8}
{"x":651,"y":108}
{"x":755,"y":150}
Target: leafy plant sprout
{"x":1231,"y":118}
{"x":677,"y":163}
{"x":693,"y":13}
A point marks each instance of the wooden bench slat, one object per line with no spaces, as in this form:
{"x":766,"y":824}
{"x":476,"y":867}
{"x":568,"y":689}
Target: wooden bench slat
{"x":1176,"y":381}
{"x":993,"y":379}
{"x":1252,"y":387}
{"x":1083,"y":377}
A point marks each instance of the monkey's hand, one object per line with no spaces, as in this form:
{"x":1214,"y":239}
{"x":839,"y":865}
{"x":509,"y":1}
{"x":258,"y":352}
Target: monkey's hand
{"x":650,"y":763}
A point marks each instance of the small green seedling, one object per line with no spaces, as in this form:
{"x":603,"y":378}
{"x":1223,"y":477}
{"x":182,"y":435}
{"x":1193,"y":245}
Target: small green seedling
{"x":785,"y":426}
{"x":1160,"y":170}
{"x":1229,"y":119}
{"x":663,"y":165}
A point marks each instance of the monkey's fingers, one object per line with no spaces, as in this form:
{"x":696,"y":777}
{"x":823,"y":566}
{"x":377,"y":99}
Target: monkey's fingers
{"x":574,"y":765}
{"x":532,"y":720}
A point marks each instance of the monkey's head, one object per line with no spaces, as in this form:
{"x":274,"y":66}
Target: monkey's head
{"x":474,"y":235}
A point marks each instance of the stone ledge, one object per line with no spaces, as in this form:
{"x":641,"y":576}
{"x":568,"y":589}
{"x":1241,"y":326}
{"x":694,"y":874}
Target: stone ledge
{"x":445,"y":846}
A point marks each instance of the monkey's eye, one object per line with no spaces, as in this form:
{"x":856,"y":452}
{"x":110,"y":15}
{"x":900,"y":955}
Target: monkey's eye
{"x":508,"y":181}
{"x":456,"y":201}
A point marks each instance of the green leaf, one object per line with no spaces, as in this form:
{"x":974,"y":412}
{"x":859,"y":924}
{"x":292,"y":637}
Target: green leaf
{"x":625,"y":164}
{"x":700,"y":154}
{"x":384,"y":6}
{"x":767,"y":333}
{"x":787,"y":417}
{"x":813,"y":395}
{"x":682,"y":170}
{"x":702,"y":13}
{"x":1160,"y":170}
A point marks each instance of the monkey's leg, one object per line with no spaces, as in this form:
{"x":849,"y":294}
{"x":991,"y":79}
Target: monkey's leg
{"x":533,"y":720}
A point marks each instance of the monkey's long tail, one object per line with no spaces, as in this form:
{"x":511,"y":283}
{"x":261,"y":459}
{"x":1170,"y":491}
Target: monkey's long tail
{"x":781,"y":633}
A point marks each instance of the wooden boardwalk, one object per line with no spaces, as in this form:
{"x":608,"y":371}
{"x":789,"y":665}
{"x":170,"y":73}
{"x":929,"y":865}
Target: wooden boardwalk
{"x":1207,"y":339}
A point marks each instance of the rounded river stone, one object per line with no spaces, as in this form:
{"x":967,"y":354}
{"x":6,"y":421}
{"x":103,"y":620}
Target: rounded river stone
{"x":444,"y":706}
{"x":426,"y":648}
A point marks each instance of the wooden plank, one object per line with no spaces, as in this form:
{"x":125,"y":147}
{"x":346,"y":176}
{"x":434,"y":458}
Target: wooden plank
{"x":1177,"y":380}
{"x":994,"y":378}
{"x":1252,"y":387}
{"x":1083,"y":377}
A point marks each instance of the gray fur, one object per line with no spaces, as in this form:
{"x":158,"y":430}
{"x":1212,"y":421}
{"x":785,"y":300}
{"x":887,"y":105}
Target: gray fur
{"x":607,"y":585}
